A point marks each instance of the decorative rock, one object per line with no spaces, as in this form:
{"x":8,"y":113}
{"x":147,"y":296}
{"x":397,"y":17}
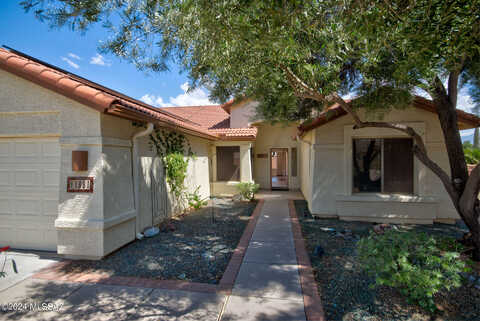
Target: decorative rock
{"x":208,"y":256}
{"x":319,"y":251}
{"x":327,"y":229}
{"x":218,"y":248}
{"x":152,"y":231}
{"x":381,"y":228}
{"x":237,"y":198}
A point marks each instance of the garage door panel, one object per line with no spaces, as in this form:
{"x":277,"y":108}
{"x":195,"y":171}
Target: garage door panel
{"x":50,"y":150}
{"x":5,"y":179}
{"x":51,"y":178}
{"x":27,"y":177}
{"x":27,"y":207}
{"x":27,"y":149}
{"x":50,"y":207}
{"x":29,"y":185}
{"x":5,"y":207}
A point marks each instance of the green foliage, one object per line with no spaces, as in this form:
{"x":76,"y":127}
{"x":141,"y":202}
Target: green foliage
{"x":248,"y":190}
{"x":170,"y":142}
{"x":195,"y":200}
{"x":417,"y":264}
{"x":242,"y":48}
{"x":472,"y":154}
{"x":176,"y":171}
{"x":175,"y":151}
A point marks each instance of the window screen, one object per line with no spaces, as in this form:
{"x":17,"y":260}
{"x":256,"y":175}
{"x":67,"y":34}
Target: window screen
{"x":383,"y":165}
{"x":228,"y":163}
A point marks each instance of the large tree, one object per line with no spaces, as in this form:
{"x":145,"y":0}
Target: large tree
{"x":298,"y":56}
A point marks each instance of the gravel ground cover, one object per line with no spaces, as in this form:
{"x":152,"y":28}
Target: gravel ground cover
{"x":345,"y":289}
{"x":198,"y":249}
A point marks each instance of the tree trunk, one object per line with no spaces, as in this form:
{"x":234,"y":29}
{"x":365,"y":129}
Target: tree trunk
{"x":447,"y":114}
{"x":467,"y":187}
{"x":476,"y":139}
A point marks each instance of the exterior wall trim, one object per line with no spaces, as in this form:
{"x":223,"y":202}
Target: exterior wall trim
{"x":94,"y":224}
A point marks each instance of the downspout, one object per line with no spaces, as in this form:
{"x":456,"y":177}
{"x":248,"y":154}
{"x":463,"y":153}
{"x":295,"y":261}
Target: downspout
{"x":136,"y":178}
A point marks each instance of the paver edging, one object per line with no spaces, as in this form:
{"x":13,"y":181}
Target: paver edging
{"x":311,"y":298}
{"x":54,"y":272}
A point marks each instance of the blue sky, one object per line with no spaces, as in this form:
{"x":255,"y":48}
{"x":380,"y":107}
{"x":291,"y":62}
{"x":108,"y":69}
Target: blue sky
{"x":78,"y":54}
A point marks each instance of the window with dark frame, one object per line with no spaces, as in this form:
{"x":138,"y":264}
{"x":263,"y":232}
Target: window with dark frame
{"x":383,"y":165}
{"x":228,"y":163}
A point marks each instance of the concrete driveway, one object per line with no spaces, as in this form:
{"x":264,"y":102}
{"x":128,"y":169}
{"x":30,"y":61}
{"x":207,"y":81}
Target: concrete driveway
{"x":27,"y":264}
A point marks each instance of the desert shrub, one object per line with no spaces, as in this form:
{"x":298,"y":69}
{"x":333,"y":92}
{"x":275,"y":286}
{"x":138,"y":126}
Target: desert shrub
{"x":195,"y":200}
{"x":248,"y":190}
{"x":418,"y":264}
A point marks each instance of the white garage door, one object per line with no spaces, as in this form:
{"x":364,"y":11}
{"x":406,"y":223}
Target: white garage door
{"x":29,"y":180}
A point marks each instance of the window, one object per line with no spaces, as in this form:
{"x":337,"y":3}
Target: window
{"x":294,"y":162}
{"x":383,"y":165}
{"x":228,"y":163}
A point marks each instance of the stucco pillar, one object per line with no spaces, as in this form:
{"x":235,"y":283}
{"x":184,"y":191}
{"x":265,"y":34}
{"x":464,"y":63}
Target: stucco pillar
{"x":245,"y":163}
{"x":80,"y":215}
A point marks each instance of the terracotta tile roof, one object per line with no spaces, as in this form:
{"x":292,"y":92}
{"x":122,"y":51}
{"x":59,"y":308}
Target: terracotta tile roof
{"x":92,"y":94}
{"x":236,"y":133}
{"x":210,"y":117}
{"x":216,"y":120}
{"x":335,"y":111}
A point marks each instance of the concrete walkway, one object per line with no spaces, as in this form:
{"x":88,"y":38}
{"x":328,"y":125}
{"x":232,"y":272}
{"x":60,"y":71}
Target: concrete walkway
{"x":267,"y":287}
{"x":268,"y":283}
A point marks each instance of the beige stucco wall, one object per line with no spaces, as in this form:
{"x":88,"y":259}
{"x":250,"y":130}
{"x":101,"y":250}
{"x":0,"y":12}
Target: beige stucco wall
{"x":28,"y":110}
{"x":242,"y":114}
{"x":92,"y":225}
{"x":197,"y":175}
{"x":220,"y":188}
{"x":331,"y":187}
{"x":305,"y":165}
{"x":275,"y":136}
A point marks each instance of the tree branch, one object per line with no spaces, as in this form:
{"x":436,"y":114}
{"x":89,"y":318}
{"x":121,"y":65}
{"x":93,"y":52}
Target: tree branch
{"x":302,"y":90}
{"x":453,"y":83}
{"x":419,"y":149}
{"x":469,"y":201}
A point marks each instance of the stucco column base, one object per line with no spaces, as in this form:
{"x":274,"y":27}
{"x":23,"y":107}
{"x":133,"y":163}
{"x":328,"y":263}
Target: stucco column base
{"x":93,"y":243}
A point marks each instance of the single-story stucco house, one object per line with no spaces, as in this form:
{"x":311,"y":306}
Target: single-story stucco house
{"x":77,"y":177}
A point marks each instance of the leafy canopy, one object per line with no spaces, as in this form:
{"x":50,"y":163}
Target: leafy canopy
{"x":382,"y":50}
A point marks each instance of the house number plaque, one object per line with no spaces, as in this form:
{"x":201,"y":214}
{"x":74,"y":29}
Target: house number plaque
{"x":80,"y":184}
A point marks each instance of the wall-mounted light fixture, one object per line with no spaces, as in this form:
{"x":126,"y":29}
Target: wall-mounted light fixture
{"x":79,"y":161}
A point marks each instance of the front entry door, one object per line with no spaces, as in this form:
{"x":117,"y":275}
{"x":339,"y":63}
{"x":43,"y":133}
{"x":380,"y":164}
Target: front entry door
{"x":279,"y":168}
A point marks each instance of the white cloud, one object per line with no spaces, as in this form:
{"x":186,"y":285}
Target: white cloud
{"x":196,"y":97}
{"x":71,"y":63}
{"x":74,"y":56}
{"x":100,"y":60}
{"x":464,"y":101}
{"x":466,"y":132}
{"x":153,"y":100}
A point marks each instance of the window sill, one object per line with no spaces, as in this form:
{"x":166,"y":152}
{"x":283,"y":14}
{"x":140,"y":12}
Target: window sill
{"x":379,"y":197}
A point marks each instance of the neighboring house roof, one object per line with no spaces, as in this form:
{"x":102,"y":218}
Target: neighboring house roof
{"x":216,"y":120}
{"x":210,"y":117}
{"x":466,"y":120}
{"x":198,"y":121}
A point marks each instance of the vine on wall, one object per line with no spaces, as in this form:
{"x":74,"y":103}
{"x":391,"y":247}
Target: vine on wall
{"x":175,"y":151}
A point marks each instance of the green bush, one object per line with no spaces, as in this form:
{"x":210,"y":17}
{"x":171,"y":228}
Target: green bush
{"x":195,"y":200}
{"x":248,"y":190}
{"x":472,"y":154}
{"x":417,"y":264}
{"x":176,"y":172}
